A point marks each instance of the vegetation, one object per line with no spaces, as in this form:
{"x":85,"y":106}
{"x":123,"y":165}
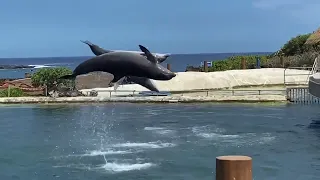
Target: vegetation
{"x":12,"y":92}
{"x":294,"y":53}
{"x":235,"y":63}
{"x":295,"y":46}
{"x":50,"y":77}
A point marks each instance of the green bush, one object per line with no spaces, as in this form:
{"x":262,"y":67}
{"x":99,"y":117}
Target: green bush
{"x":295,"y":46}
{"x":234,"y":62}
{"x":301,"y":60}
{"x":50,"y":76}
{"x":294,"y":53}
{"x":14,"y":92}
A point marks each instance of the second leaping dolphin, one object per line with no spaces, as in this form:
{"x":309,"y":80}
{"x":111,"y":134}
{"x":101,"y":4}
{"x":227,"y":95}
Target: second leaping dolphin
{"x":97,"y":50}
{"x":122,"y":64}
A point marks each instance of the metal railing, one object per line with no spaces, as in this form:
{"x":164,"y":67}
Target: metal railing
{"x":315,"y":67}
{"x":299,"y":68}
{"x":233,"y":92}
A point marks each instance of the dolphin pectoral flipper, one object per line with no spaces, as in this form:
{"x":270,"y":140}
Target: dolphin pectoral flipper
{"x":145,"y":82}
{"x":119,"y":82}
{"x":149,"y":55}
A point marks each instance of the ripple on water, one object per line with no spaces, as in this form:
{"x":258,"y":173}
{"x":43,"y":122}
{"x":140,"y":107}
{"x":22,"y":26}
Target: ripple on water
{"x":247,"y":139}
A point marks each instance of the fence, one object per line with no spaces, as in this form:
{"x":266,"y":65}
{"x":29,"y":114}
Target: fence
{"x":301,"y":95}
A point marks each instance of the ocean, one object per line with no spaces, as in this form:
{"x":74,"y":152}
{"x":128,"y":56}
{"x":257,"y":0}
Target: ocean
{"x":178,"y":62}
{"x":121,"y":141}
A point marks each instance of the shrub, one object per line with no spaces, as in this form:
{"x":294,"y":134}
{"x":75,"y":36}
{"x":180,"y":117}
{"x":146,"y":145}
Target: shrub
{"x":14,"y":92}
{"x":50,"y":76}
{"x":234,"y":62}
{"x":302,"y":60}
{"x":294,"y":53}
{"x":295,"y":46}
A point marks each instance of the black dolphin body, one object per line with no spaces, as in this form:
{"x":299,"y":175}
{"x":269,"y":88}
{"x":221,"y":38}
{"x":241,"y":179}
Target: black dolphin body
{"x":145,"y":82}
{"x":122,"y":64}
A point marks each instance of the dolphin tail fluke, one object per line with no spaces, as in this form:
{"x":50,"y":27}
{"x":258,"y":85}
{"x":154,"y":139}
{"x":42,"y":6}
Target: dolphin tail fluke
{"x":87,"y":42}
{"x":95,"y":48}
{"x":69,"y":76}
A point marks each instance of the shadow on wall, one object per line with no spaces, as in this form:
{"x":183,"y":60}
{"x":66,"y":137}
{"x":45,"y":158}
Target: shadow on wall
{"x":94,"y":80}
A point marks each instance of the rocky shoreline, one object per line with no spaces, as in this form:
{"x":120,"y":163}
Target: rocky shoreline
{"x":5,"y":66}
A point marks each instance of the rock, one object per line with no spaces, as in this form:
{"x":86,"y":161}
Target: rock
{"x":53,"y":94}
{"x":56,"y":93}
{"x":93,"y":93}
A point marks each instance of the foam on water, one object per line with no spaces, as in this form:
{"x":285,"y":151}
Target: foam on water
{"x":107,"y":152}
{"x":110,"y":167}
{"x":153,"y":145}
{"x":211,"y":132}
{"x":39,"y":66}
{"x":121,"y":167}
{"x":216,"y":136}
{"x":159,"y":130}
{"x":207,"y":129}
{"x":153,"y":128}
{"x":95,"y":153}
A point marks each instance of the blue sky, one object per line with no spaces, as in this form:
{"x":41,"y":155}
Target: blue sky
{"x":40,"y":28}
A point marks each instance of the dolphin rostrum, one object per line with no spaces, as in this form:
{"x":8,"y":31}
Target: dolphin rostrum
{"x":122,"y":64}
{"x":97,"y":50}
{"x":145,"y":82}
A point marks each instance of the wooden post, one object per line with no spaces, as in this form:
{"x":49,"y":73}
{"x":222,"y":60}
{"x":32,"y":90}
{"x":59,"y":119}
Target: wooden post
{"x":205,"y":65}
{"x":46,"y":90}
{"x":243,"y":63}
{"x":9,"y":91}
{"x":233,"y":167}
{"x":168,"y":66}
{"x":281,"y":61}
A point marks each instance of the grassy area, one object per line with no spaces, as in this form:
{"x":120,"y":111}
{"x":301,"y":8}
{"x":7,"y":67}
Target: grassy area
{"x":12,"y":92}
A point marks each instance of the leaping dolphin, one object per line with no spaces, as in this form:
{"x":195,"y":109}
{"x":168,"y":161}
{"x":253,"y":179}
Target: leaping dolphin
{"x":145,"y":82}
{"x":122,"y":64}
{"x":97,"y":50}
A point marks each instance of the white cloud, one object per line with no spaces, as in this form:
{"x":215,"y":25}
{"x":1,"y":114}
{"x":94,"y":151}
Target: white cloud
{"x":275,"y":4}
{"x":308,"y":14}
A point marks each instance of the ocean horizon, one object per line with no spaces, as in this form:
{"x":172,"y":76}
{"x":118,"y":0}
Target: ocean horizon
{"x":178,"y":62}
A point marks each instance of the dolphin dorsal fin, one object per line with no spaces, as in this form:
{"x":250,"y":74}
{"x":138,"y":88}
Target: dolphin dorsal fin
{"x":150,"y":56}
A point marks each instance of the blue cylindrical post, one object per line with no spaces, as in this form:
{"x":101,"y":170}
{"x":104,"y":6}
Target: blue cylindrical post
{"x":258,"y":63}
